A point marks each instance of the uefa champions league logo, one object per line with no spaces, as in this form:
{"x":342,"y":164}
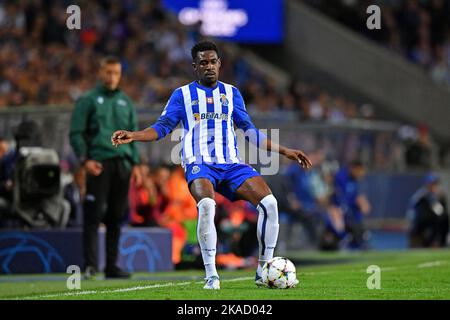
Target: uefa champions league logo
{"x":216,"y":18}
{"x":14,"y":245}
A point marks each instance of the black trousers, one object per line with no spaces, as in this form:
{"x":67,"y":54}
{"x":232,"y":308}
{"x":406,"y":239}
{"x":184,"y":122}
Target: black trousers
{"x":106,"y":201}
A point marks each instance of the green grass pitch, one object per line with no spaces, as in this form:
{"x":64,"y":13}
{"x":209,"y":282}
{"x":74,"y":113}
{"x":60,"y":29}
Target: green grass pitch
{"x":418,"y":274}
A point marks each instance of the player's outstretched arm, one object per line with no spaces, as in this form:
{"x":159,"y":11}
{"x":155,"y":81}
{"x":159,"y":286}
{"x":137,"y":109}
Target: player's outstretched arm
{"x":243,"y":121}
{"x":292,"y":154}
{"x":122,"y":136}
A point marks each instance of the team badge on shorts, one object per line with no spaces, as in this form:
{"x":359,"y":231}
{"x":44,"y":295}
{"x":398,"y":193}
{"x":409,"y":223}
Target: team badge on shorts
{"x":195,"y":169}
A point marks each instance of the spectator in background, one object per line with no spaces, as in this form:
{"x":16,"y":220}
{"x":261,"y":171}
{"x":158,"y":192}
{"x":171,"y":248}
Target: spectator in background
{"x":418,"y":30}
{"x":236,"y":234}
{"x":353,"y":203}
{"x":290,"y":210}
{"x":172,"y":208}
{"x":428,"y":215}
{"x":142,"y":199}
{"x":7,"y":160}
{"x":419,"y":153}
{"x":310,"y":198}
{"x":160,"y":176}
{"x":74,"y":193}
{"x":181,"y":212}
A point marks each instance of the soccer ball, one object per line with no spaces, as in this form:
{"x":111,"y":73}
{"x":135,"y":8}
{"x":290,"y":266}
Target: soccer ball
{"x":279,"y":273}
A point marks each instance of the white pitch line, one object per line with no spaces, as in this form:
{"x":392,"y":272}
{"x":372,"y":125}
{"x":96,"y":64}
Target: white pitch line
{"x":109,"y":291}
{"x":89,"y":292}
{"x":431,"y":264}
{"x":238,"y":279}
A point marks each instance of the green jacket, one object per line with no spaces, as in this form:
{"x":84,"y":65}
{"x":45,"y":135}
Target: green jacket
{"x":97,"y":114}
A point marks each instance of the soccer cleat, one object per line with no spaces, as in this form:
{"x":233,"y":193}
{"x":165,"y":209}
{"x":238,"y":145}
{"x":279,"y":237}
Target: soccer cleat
{"x":116,"y":273}
{"x":259,"y":281}
{"x":212,"y":283}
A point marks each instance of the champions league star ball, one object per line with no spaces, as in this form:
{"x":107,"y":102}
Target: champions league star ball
{"x":279,"y":273}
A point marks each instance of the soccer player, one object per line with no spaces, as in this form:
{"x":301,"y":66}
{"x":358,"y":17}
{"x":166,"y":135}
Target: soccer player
{"x":208,"y":110}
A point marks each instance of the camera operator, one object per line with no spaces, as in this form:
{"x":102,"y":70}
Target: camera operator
{"x":7,"y":158}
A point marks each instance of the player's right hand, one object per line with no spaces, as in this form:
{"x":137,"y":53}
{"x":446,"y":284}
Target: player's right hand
{"x":93,"y":167}
{"x":121,"y":137}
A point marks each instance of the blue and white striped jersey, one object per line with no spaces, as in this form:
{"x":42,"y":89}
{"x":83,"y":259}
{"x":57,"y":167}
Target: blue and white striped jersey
{"x":208,"y":116}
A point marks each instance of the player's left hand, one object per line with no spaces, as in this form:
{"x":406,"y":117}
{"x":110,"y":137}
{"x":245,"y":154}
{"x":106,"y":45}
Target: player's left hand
{"x":300,"y":157}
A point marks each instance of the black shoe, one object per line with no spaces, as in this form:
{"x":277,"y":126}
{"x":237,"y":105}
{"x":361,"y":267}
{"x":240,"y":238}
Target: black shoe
{"x":90,"y":273}
{"x":116,"y":273}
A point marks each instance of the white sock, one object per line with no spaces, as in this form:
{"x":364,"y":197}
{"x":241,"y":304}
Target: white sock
{"x":267,"y":229}
{"x":207,"y":235}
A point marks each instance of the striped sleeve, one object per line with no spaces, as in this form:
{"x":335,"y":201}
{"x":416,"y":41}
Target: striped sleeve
{"x":170,"y":116}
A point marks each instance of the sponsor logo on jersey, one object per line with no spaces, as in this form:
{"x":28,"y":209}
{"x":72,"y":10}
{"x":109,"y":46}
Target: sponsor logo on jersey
{"x":100,"y":100}
{"x":210,"y":116}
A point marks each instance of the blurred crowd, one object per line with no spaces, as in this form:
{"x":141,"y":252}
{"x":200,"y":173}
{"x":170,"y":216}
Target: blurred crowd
{"x":419,"y":30}
{"x":42,"y":62}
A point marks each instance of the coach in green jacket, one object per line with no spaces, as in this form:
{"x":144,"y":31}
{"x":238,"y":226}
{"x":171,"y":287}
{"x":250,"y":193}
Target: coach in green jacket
{"x":97,"y":114}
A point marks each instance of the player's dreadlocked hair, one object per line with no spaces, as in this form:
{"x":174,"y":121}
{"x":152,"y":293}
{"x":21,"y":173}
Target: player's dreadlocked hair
{"x":203,"y":46}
